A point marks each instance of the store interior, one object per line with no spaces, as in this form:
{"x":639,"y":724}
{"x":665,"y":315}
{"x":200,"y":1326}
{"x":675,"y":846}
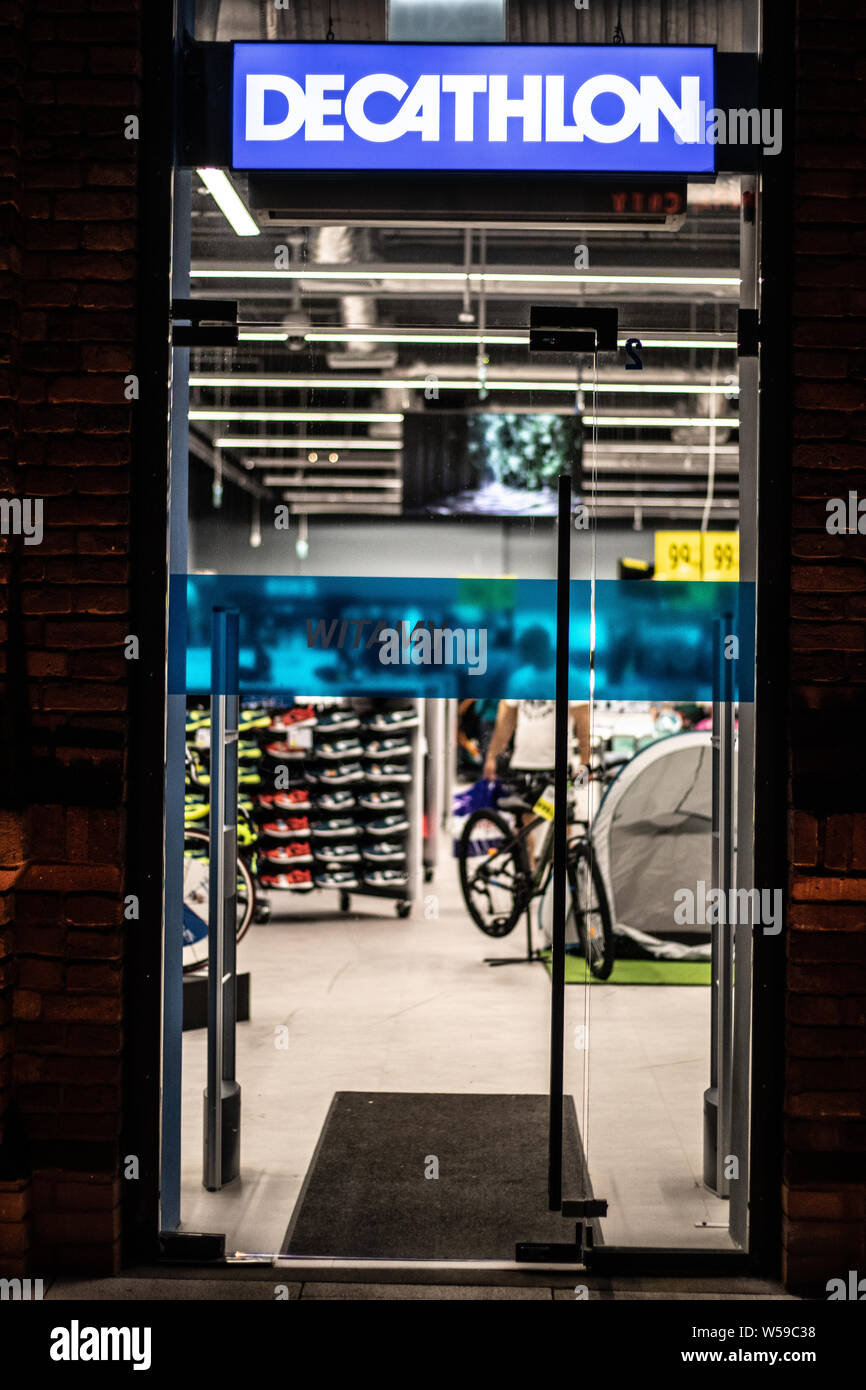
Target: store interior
{"x":382,"y":416}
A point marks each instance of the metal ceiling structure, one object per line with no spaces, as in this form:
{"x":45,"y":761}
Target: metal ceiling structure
{"x":367,"y":321}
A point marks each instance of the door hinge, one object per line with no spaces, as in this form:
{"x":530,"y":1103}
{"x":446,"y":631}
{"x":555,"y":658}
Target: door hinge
{"x":563,"y":328}
{"x":204,"y":322}
{"x":556,"y":1252}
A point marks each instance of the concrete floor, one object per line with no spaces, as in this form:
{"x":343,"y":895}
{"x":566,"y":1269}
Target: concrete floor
{"x":258,"y":1286}
{"x":365,"y":1001}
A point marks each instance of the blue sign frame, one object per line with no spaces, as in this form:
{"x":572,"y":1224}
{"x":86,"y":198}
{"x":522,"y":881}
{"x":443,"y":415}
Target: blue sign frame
{"x":472,"y":108}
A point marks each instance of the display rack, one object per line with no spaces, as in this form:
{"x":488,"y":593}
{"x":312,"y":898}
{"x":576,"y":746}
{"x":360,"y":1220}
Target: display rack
{"x":337,"y":760}
{"x":280,"y":755}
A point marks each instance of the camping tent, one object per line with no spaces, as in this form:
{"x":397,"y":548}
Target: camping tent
{"x":652,"y":835}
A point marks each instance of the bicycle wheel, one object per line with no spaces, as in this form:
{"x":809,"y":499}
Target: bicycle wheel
{"x":196,"y":873}
{"x":492,"y":875}
{"x":591,"y":912}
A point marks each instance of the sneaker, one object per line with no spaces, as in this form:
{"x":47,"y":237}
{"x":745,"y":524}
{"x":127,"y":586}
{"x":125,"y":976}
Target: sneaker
{"x":296,"y":853}
{"x":387,"y":720}
{"x":386,"y":878}
{"x":250,"y":719}
{"x":301,"y":717}
{"x":384,"y":851}
{"x":334,"y":801}
{"x":248,"y":752}
{"x":340,"y":748}
{"x":295,"y":828}
{"x":297,"y":800}
{"x":345,"y":772}
{"x":388,"y":748}
{"x":334,"y":878}
{"x":285,"y":750}
{"x":382,"y":801}
{"x":339,"y":719}
{"x":338,"y":829}
{"x":388,"y":772}
{"x":337,"y":854}
{"x":197,"y":719}
{"x":389,"y":825}
{"x":296,"y":881}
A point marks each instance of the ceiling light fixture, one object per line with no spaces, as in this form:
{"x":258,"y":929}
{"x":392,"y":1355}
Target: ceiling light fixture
{"x":275,"y":442}
{"x":228,"y":201}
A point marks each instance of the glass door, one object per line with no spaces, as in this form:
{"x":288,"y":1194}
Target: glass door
{"x":375,"y":476}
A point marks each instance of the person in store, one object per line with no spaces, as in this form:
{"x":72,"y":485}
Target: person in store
{"x":530,"y":727}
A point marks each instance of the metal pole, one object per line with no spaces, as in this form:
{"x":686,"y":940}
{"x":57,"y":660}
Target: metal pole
{"x":717,"y":1097}
{"x":560,"y":846}
{"x":745,"y":751}
{"x":222,"y":1097}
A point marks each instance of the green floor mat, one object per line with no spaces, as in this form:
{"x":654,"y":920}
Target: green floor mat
{"x":638,"y":972}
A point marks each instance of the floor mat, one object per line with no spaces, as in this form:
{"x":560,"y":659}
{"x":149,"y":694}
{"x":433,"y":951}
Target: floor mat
{"x":637,"y":972}
{"x":366,"y":1195}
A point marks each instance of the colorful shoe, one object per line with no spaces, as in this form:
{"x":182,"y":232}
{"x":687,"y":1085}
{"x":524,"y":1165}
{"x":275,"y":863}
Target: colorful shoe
{"x":250,"y":719}
{"x":296,"y":881}
{"x":389,"y":748}
{"x":386,"y":721}
{"x":285,"y":750}
{"x":334,"y":878}
{"x":297,"y":800}
{"x":300,"y":717}
{"x":385,"y":851}
{"x":389,"y":825}
{"x":296,"y":853}
{"x":386,"y":878}
{"x":197,"y":719}
{"x":338,"y":829}
{"x":298,"y":827}
{"x":388,"y":772}
{"x":345,"y":772}
{"x":337,"y":854}
{"x":248,"y":752}
{"x":338,"y":719}
{"x":334,"y":801}
{"x":382,"y":801}
{"x":341,"y":748}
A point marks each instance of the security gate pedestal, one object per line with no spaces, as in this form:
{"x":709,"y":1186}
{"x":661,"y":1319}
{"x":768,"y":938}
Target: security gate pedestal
{"x":222,"y":1098}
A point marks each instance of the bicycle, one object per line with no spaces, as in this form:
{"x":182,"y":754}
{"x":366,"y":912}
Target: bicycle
{"x":499,"y":882}
{"x":196,"y":869}
{"x":196,"y":875}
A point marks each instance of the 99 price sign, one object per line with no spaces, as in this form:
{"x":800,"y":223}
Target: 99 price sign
{"x":697,"y":555}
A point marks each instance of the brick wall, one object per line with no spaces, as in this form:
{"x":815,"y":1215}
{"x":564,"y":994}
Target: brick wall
{"x":824,"y":1196}
{"x":68,"y":209}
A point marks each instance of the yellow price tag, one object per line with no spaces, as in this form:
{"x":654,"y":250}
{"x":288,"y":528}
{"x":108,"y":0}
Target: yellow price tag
{"x":544,"y":805}
{"x":678,"y":555}
{"x":721,"y":554}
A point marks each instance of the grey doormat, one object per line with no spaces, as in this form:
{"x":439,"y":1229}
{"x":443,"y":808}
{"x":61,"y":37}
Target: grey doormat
{"x":366,"y":1196}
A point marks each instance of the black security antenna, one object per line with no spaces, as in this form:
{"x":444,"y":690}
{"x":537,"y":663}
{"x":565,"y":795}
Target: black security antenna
{"x":618,"y":35}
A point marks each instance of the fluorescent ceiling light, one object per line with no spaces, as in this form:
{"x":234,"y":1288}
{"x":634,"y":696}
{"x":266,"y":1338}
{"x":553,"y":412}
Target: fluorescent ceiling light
{"x":228,"y":201}
{"x":330,"y":416}
{"x":262,"y":337}
{"x":661,"y":422}
{"x":475,"y":339}
{"x":300,"y":383}
{"x":461,"y":276}
{"x":263,"y":442}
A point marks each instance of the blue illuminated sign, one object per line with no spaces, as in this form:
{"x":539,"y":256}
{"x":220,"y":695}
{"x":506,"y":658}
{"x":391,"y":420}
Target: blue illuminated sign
{"x":545,"y":108}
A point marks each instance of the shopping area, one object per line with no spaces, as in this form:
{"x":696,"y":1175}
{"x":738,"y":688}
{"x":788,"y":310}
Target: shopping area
{"x":367,"y":574}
